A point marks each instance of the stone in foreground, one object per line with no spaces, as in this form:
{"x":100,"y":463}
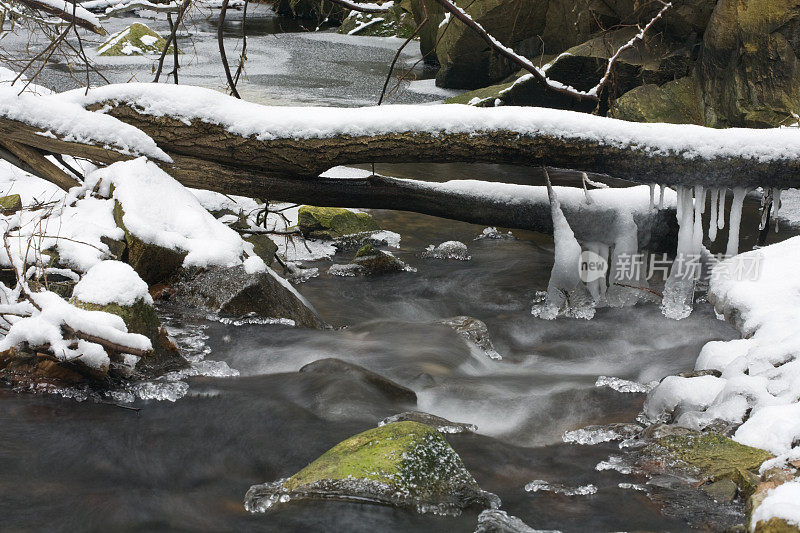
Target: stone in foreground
{"x":403,"y":464}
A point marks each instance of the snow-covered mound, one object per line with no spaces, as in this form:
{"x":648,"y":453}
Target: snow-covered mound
{"x":759,"y":387}
{"x":111,"y":282}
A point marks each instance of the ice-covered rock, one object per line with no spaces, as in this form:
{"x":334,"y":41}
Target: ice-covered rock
{"x":441,"y":424}
{"x":135,"y":40}
{"x":448,"y":250}
{"x":475,"y":332}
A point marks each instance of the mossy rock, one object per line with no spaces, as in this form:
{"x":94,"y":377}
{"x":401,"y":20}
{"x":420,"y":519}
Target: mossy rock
{"x":141,"y":318}
{"x":316,"y":10}
{"x":714,"y":456}
{"x":401,"y":464}
{"x":153,"y":263}
{"x":376,"y":261}
{"x":135,"y":40}
{"x":397,"y":22}
{"x":674,"y":103}
{"x":775,"y":525}
{"x":10,"y":204}
{"x":333,"y":222}
{"x":263,"y":247}
{"x":427,"y":34}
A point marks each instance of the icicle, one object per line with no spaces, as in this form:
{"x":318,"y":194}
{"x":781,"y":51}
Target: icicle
{"x":721,"y":208}
{"x":652,"y":196}
{"x":661,"y":197}
{"x":766,"y":207}
{"x":699,"y":209}
{"x":596,"y":282}
{"x":679,"y":207}
{"x":735,"y":221}
{"x":679,"y":288}
{"x":584,"y":179}
{"x":776,"y":206}
{"x":712,"y":219}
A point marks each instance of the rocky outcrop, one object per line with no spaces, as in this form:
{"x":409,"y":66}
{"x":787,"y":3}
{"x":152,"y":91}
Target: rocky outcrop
{"x":749,"y":69}
{"x":233,"y":291}
{"x":403,"y":464}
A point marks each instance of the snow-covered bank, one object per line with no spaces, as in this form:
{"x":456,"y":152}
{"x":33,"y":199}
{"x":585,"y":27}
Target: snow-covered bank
{"x":759,"y":375}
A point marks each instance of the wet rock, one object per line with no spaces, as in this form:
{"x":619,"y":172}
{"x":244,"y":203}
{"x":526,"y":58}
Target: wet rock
{"x":333,"y":222}
{"x":390,"y":389}
{"x":404,"y":464}
{"x":263,"y":247}
{"x":775,"y":525}
{"x":135,"y":40}
{"x":234,"y":291}
{"x":448,"y":250}
{"x":474,"y":331}
{"x":374,"y":261}
{"x":713,"y":456}
{"x":676,"y":102}
{"x":10,"y":204}
{"x":397,"y":22}
{"x":441,"y":424}
{"x":700,"y":373}
{"x":497,"y":521}
{"x":57,"y":283}
{"x":141,"y":318}
{"x":749,"y":69}
{"x":722,"y":491}
{"x":153,"y":263}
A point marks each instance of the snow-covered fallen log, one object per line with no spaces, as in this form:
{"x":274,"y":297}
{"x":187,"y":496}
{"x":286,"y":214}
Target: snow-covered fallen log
{"x":305,"y":141}
{"x":67,"y":11}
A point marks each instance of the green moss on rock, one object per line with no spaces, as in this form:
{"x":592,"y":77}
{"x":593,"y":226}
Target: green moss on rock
{"x":716,"y":457}
{"x":333,"y":222}
{"x":263,"y":247}
{"x":376,"y":261}
{"x":135,"y":40}
{"x":775,"y":525}
{"x":10,"y":204}
{"x":410,"y":457}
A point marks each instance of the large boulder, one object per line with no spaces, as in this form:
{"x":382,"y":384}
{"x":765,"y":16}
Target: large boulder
{"x":10,"y":204}
{"x":235,"y":291}
{"x":427,"y":34}
{"x":342,"y":369}
{"x":404,"y":464}
{"x":749,"y":69}
{"x":676,"y":102}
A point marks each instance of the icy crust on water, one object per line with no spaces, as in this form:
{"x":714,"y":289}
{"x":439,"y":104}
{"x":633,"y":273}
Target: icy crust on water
{"x":624,"y":385}
{"x":596,"y":434}
{"x":759,"y":375}
{"x":538,"y":485}
{"x":270,"y":122}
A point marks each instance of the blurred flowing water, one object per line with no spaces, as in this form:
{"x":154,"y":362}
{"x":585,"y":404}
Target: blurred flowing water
{"x":85,"y":466}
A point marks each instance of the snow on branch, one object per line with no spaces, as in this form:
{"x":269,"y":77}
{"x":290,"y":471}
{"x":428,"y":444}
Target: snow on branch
{"x":540,"y":73}
{"x":66,"y":11}
{"x":126,"y":7}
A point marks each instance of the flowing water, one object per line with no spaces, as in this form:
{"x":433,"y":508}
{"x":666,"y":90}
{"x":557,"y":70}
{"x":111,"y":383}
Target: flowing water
{"x":186,"y":465}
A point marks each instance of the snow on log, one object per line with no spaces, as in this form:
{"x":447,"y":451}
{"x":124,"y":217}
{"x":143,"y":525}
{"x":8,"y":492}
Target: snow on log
{"x":53,"y":124}
{"x":67,"y":11}
{"x":305,"y":141}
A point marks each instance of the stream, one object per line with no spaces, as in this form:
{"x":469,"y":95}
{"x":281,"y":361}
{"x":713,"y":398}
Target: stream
{"x":186,"y":465}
